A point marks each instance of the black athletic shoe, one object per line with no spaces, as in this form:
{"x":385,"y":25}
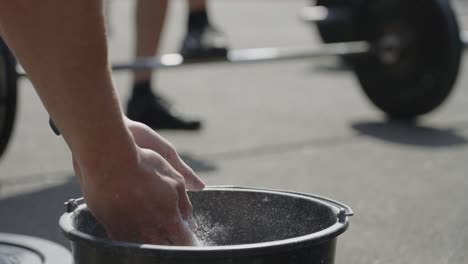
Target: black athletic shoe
{"x":156,"y":113}
{"x":203,"y":44}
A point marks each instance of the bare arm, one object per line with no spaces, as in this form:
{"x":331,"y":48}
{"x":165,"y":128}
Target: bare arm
{"x":62,"y":47}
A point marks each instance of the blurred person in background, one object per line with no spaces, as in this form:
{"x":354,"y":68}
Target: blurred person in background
{"x":201,"y":41}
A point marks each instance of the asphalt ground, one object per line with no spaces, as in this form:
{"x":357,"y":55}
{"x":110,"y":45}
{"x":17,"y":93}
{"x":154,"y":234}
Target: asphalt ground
{"x":298,"y":125}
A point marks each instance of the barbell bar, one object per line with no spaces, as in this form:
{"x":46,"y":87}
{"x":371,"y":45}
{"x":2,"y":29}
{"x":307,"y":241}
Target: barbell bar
{"x":258,"y":55}
{"x":308,"y":14}
{"x":251,"y":56}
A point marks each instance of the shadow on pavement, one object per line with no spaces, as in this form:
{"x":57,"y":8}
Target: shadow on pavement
{"x":37,"y":213}
{"x":410,"y":134}
{"x":197,"y":164}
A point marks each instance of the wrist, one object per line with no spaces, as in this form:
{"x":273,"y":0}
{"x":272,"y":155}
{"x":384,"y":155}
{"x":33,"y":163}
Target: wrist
{"x":107,"y":160}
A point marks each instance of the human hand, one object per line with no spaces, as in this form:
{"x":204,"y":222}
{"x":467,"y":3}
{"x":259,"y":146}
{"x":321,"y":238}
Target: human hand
{"x":144,"y":201}
{"x":147,"y":138}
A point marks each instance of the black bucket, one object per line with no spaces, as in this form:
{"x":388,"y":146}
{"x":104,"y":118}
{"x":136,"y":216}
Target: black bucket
{"x":237,"y":225}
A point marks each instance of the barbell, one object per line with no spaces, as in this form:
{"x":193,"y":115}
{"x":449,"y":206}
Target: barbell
{"x":406,"y":54}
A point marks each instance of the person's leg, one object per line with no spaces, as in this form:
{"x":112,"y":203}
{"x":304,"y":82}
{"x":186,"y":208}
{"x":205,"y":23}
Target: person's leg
{"x":149,"y":19}
{"x":202,"y":39}
{"x":144,"y":105}
{"x":197,"y":5}
{"x":198,"y":15}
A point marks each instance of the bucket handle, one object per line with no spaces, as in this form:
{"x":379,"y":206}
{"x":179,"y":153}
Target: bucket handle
{"x":345,"y":211}
{"x":72,"y":204}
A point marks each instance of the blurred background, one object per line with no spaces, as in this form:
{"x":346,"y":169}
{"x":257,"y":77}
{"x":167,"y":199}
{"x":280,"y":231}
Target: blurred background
{"x":297,"y":125}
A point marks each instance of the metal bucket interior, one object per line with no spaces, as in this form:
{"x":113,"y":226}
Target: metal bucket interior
{"x":228,"y":216}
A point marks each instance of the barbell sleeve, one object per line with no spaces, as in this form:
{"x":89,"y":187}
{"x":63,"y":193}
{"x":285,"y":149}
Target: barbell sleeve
{"x":464,"y":38}
{"x":317,"y":14}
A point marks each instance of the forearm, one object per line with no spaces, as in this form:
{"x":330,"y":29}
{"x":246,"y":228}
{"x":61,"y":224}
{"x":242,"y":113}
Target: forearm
{"x":63,"y":49}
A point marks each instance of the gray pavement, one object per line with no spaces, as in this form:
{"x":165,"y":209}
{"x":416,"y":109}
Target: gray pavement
{"x":301,"y":126}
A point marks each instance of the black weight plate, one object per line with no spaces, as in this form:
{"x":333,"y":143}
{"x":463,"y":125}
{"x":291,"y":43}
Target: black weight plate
{"x":8,"y":78}
{"x":333,"y":29}
{"x":425,"y":73}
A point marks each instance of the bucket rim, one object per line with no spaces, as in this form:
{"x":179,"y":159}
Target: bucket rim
{"x":329,"y":233}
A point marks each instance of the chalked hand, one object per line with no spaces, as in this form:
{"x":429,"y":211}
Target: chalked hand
{"x":144,"y":201}
{"x":147,"y":138}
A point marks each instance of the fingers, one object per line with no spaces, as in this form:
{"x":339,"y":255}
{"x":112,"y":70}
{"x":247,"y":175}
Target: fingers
{"x":169,"y":227}
{"x":145,"y":137}
{"x":145,"y":235}
{"x":183,"y":235}
{"x":192,"y":181}
{"x":185,"y":206}
{"x":177,"y":183}
{"x":184,"y":224}
{"x":183,"y":232}
{"x":177,"y":232}
{"x":77,"y":170}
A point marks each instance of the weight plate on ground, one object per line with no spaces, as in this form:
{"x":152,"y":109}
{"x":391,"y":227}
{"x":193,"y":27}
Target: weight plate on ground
{"x":415,"y":58}
{"x":21,"y":249}
{"x":8,"y":78}
{"x":340,"y":24}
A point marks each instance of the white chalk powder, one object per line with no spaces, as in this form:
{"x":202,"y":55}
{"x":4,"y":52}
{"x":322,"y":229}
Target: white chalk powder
{"x":208,"y":232}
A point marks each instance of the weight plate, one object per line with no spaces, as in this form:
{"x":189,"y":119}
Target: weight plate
{"x":340,"y":24}
{"x":21,"y":249}
{"x":8,"y":78}
{"x":12,"y":254}
{"x":416,"y":55}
